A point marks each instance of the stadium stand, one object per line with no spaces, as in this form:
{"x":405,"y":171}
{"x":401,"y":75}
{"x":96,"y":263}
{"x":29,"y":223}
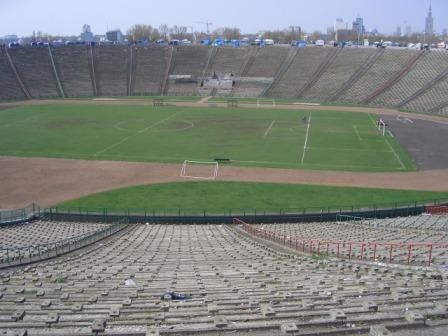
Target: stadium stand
{"x":9,"y":86}
{"x":260,"y":71}
{"x":337,"y":73}
{"x":356,"y":75}
{"x":250,"y":87}
{"x":55,"y":73}
{"x":394,"y":79}
{"x":72,"y":63}
{"x":40,"y":232}
{"x":227,"y":60}
{"x":301,"y":70}
{"x":443,"y":111}
{"x":424,"y":222}
{"x":23,"y":240}
{"x":222,"y":281}
{"x":190,"y":61}
{"x":425,"y":71}
{"x":326,"y":63}
{"x":385,"y":67}
{"x":281,"y":70}
{"x":172,"y":52}
{"x":34,"y":69}
{"x":409,"y":79}
{"x":248,"y":61}
{"x":373,"y":238}
{"x":432,"y":100}
{"x":266,"y":62}
{"x":111,"y":69}
{"x":150,"y":69}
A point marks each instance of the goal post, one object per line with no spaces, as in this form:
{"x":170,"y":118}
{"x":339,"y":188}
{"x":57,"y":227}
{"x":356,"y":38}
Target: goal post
{"x":381,"y":126}
{"x":265,"y":102}
{"x":157,"y":102}
{"x":201,"y":170}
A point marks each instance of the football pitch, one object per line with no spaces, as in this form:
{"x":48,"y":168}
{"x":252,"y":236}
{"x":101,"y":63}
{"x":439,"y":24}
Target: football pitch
{"x":247,"y":137}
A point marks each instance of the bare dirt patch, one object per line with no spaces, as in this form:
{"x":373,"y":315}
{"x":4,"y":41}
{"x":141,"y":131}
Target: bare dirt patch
{"x":6,"y":107}
{"x":51,"y":181}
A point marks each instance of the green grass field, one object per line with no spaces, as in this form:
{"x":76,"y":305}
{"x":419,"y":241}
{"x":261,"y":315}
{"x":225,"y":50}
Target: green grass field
{"x":248,"y":137}
{"x":237,"y":196}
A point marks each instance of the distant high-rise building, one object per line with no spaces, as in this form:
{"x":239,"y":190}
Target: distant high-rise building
{"x":339,"y":25}
{"x":86,"y":35}
{"x":114,"y":36}
{"x":398,"y":31}
{"x":358,"y":26}
{"x":429,"y":24}
{"x":408,"y":31}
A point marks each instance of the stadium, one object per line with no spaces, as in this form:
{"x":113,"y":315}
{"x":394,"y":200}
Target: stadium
{"x":177,"y":190}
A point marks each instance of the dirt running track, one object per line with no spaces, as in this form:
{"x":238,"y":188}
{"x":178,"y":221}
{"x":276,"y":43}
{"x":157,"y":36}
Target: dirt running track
{"x":50,"y":181}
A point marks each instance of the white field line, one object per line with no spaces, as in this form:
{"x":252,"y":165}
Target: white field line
{"x":357,"y":132}
{"x":306,"y":139}
{"x":349,"y":150}
{"x":118,"y":126}
{"x":268,"y":129}
{"x":205,"y":100}
{"x":189,"y":125}
{"x":388,"y":144}
{"x":310,"y":104}
{"x":395,"y":153}
{"x":135,"y":134}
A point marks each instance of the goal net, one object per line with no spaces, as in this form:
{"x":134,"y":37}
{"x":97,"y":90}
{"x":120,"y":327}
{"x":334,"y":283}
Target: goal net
{"x":202,"y":170}
{"x":265,"y":102}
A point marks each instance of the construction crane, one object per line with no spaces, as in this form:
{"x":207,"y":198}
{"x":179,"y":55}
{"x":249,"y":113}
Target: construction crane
{"x":207,"y":25}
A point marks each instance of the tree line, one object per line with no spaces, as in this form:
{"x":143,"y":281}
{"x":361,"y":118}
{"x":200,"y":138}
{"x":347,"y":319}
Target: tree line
{"x":141,"y":32}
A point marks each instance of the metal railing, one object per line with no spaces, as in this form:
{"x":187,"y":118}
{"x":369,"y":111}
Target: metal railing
{"x":13,"y":256}
{"x":374,"y":251}
{"x":18,"y":215}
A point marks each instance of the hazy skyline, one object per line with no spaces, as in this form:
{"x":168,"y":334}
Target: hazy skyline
{"x":56,"y":17}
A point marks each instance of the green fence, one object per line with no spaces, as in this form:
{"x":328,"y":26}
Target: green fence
{"x":18,"y":215}
{"x":242,"y":212}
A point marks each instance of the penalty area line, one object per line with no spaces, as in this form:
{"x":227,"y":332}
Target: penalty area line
{"x":268,"y":129}
{"x":306,"y":139}
{"x":357,"y":132}
{"x":389,"y":145}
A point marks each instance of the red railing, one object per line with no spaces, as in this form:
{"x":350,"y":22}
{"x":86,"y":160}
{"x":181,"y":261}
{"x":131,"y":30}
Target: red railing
{"x":390,"y":252}
{"x":437,"y":209}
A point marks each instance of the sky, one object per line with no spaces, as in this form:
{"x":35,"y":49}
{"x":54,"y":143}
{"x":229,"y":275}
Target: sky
{"x":66,"y":17}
